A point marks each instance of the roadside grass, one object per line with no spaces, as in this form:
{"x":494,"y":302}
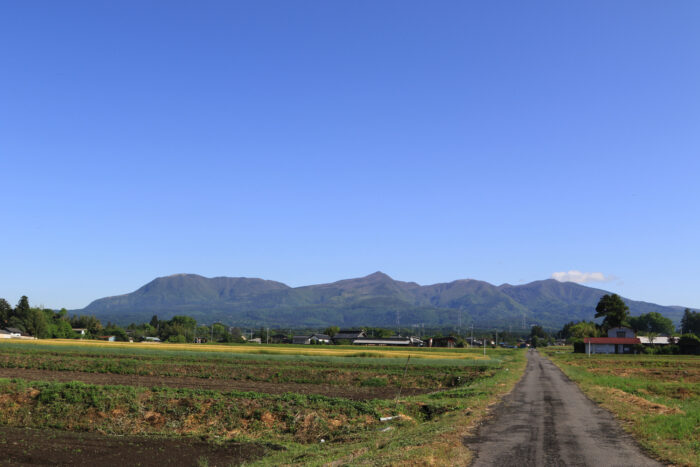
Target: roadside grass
{"x":296,"y":429}
{"x":662,"y":413}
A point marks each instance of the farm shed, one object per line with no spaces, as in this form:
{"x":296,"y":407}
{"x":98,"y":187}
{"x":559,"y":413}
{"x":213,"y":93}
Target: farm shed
{"x":442,"y":342}
{"x":300,"y":340}
{"x":658,"y":340}
{"x":348,"y":335}
{"x":404,"y":341}
{"x":279,"y":338}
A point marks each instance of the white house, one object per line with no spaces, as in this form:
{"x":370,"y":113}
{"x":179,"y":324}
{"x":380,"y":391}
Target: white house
{"x":312,"y":339}
{"x":619,"y":340}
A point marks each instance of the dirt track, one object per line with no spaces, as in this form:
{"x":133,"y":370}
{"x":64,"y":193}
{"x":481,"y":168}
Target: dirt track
{"x":548,"y":421}
{"x":354,"y":393}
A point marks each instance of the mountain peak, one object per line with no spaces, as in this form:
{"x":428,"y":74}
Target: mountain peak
{"x":378,"y":275}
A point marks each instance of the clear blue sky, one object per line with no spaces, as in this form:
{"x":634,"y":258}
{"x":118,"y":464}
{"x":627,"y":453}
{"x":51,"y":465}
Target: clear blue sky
{"x":310,"y":141}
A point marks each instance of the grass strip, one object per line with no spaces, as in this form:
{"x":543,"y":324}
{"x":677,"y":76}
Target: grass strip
{"x":662,"y":414}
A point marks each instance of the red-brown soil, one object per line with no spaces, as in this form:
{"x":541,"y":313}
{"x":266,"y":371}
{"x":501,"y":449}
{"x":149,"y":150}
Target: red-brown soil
{"x":25,"y":446}
{"x":355,"y":393}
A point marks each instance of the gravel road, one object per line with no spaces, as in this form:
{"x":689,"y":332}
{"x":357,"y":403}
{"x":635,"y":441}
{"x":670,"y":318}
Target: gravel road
{"x":547,"y":421}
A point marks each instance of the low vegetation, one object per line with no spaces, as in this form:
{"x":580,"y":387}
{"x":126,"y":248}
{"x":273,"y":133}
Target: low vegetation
{"x":657,"y":397}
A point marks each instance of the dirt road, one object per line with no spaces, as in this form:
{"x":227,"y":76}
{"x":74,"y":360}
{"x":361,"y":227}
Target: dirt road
{"x":547,"y":421}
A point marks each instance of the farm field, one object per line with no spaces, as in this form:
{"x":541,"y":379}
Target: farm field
{"x":267,"y":403}
{"x":656,"y":397}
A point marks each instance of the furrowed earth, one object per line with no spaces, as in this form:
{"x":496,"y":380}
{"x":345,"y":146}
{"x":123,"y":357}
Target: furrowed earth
{"x":225,"y":405}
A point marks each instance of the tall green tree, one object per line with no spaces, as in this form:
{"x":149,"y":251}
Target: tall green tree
{"x":35,"y":323}
{"x":5,"y":312}
{"x":690,"y":323}
{"x":22,"y":308}
{"x":613,"y":310}
{"x":652,"y":322}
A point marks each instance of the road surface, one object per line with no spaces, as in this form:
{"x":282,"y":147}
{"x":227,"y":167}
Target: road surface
{"x":547,"y":421}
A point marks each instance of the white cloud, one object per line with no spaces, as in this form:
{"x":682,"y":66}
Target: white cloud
{"x":582,"y":277}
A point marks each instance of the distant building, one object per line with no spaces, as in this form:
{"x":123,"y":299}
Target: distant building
{"x":107,"y":338}
{"x":80,"y":331}
{"x":7,"y":334}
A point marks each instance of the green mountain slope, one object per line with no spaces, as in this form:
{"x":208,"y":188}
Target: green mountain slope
{"x":373,"y":300}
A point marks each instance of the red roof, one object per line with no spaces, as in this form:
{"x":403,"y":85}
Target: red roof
{"x":612,"y":340}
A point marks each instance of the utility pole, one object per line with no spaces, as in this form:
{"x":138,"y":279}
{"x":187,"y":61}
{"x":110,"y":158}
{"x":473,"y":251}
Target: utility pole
{"x":268,"y":335}
{"x":484,"y":346}
{"x":471,"y":342}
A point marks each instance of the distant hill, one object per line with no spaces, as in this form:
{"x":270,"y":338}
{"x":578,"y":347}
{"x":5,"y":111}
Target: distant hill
{"x":373,"y":300}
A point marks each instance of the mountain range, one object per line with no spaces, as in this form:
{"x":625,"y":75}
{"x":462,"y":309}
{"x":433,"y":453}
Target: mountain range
{"x":373,"y":300}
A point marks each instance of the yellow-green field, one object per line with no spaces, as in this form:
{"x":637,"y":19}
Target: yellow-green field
{"x":280,"y":349}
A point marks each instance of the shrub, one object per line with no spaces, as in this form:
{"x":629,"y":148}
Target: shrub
{"x":374,"y":382}
{"x":689,"y":344}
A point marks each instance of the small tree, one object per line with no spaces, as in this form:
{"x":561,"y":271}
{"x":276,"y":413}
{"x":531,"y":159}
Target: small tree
{"x":331,"y":331}
{"x":613,"y":311}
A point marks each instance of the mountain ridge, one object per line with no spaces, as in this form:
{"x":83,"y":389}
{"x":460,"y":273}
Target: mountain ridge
{"x":372,"y":300}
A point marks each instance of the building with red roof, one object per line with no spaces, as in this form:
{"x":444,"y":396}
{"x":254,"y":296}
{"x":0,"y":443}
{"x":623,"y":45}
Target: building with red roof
{"x":619,"y":340}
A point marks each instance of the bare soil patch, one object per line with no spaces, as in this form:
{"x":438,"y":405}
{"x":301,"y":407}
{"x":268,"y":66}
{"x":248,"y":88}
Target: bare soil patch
{"x":354,"y":393}
{"x":25,"y":446}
